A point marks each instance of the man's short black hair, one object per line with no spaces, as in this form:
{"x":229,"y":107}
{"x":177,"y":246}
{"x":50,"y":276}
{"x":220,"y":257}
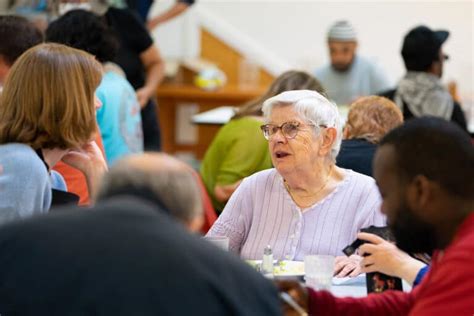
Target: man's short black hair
{"x":437,"y":149}
{"x":84,"y":30}
{"x":17,"y":35}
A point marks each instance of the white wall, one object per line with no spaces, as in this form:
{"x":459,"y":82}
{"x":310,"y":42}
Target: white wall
{"x":295,"y":31}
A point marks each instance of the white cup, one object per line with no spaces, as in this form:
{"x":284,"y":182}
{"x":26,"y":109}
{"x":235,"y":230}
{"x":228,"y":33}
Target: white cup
{"x":219,"y":241}
{"x":319,"y":270}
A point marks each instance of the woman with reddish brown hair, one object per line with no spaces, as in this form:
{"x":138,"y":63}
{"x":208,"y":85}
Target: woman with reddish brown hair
{"x":369,"y":119}
{"x":47,"y":114}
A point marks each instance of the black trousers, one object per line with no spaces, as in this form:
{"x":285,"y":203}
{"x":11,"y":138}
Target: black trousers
{"x":151,"y":127}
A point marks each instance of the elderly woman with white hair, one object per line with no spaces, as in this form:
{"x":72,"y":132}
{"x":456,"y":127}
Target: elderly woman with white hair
{"x":306,"y":205}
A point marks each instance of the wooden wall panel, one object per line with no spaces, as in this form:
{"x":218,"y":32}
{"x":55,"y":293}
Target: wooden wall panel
{"x":227,"y":59}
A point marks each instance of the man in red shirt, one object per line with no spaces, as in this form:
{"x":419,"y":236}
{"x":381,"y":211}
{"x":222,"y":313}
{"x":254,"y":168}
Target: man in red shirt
{"x":425,"y":171}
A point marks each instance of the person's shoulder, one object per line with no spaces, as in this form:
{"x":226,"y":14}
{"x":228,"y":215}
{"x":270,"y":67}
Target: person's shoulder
{"x":244,"y":123}
{"x":464,"y":241}
{"x":389,"y":94}
{"x":112,"y":79}
{"x":361,"y":182}
{"x":321,"y":72}
{"x":23,"y":156}
{"x":262,"y":177}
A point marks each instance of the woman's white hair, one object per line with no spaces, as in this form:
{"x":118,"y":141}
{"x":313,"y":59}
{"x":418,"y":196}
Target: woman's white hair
{"x":311,"y":107}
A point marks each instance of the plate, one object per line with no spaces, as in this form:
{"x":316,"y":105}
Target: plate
{"x":284,"y":268}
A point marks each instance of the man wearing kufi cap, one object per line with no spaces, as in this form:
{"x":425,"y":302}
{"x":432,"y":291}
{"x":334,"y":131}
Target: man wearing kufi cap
{"x":349,"y":75}
{"x":420,"y":92}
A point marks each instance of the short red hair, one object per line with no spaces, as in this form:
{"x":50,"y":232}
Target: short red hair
{"x":371,"y":118}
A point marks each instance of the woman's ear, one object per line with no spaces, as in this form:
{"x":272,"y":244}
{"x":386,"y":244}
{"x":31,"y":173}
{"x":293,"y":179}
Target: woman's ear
{"x":328,"y":138}
{"x":346,"y":133}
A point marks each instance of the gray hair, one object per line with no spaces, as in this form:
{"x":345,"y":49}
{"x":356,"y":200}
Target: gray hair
{"x":311,"y":107}
{"x":174,"y":185}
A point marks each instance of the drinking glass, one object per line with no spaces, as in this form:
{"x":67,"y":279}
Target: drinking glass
{"x":319,"y":270}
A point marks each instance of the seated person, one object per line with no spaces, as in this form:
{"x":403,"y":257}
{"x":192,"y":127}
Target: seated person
{"x":306,"y":205}
{"x":424,"y":170}
{"x":161,"y":179}
{"x":18,"y":35}
{"x":239,"y":149}
{"x":48,"y":114}
{"x":420,"y":91}
{"x":119,"y":116}
{"x":122,"y":257}
{"x":369,"y":119}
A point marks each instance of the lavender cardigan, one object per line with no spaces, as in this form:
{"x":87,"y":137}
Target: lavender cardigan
{"x":261,"y":213}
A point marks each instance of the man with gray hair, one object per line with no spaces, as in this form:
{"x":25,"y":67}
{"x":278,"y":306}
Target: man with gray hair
{"x":160,"y":179}
{"x":349,"y":75}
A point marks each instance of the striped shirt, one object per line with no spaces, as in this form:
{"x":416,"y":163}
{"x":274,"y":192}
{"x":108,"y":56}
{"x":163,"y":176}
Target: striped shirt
{"x":261,"y":212}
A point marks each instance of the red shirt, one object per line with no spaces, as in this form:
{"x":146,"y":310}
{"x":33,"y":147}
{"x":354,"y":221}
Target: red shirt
{"x":447,"y":289}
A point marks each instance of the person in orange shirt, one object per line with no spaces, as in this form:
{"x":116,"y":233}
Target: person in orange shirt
{"x":75,"y":179}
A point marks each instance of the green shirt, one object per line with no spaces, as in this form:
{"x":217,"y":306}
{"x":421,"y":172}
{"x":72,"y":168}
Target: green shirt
{"x":238,"y":151}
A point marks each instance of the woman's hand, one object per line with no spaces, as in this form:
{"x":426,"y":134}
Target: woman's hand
{"x":89,"y":160}
{"x":155,"y":71}
{"x":143,"y":95}
{"x":347,"y":266}
{"x":383,"y":256}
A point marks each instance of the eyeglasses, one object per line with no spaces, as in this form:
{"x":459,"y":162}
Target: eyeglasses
{"x":288,"y":129}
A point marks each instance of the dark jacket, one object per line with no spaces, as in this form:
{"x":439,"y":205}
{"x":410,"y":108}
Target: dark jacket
{"x":122,"y":258}
{"x":356,"y":154}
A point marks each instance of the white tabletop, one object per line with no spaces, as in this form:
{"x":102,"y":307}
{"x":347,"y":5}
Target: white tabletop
{"x":223,"y":114}
{"x":219,"y":116}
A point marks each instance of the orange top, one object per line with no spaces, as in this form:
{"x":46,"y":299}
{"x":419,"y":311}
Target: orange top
{"x":75,"y":179}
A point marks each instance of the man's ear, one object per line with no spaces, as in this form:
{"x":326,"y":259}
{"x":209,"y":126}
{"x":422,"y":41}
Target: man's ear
{"x":420,"y":192}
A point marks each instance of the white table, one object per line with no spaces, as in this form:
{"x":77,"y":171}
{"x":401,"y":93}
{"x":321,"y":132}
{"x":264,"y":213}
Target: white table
{"x":217,"y":116}
{"x":223,"y":114}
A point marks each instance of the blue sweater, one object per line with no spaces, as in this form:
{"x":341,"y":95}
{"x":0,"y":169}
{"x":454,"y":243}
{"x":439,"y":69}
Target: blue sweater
{"x":25,"y":186}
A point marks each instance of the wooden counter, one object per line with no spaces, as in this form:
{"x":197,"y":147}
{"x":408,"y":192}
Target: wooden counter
{"x":169,"y":96}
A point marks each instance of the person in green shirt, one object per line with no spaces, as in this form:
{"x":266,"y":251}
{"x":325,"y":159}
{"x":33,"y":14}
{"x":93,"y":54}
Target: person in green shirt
{"x":239,"y":148}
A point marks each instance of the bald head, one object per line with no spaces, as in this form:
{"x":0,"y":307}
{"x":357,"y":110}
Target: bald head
{"x":161,"y":179}
{"x":154,"y":162}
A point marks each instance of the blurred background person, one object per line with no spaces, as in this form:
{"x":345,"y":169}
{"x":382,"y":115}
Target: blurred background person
{"x":137,"y":55}
{"x":119,"y":116}
{"x":142,"y":7}
{"x":349,"y":75}
{"x":166,"y":182}
{"x":239,"y":149}
{"x":123,"y":257}
{"x":420,"y":91}
{"x":369,"y":119}
{"x":18,"y":35}
{"x":48,"y":114}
